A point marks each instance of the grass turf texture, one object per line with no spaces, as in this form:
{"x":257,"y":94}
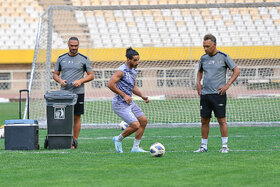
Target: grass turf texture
{"x":253,"y":161}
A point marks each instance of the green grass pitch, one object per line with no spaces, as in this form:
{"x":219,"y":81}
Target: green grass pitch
{"x":253,"y":160}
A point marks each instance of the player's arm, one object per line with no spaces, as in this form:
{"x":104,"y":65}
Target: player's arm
{"x":235,"y":73}
{"x":137,"y":92}
{"x":112,"y":86}
{"x":87,"y":78}
{"x":57,"y":78}
{"x":198,"y":81}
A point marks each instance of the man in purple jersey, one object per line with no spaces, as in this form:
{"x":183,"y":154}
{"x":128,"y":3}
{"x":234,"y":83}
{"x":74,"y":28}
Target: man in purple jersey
{"x":123,"y":84}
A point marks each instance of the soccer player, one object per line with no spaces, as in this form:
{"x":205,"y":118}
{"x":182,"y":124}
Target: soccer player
{"x":212,"y":67}
{"x":123,"y":84}
{"x":72,"y":66}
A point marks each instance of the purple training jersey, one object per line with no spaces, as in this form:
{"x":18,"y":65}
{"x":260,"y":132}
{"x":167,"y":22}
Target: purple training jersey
{"x":126,"y":83}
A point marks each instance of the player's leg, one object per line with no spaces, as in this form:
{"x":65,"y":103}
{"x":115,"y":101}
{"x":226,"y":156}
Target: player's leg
{"x":133,"y":127}
{"x":141,"y":117}
{"x":127,"y":114}
{"x":205,"y":127}
{"x":143,"y":121}
{"x":224,"y":134}
{"x":77,"y":126}
{"x":78,"y":111}
{"x":124,"y":111}
{"x":139,"y":133}
{"x":223,"y":126}
{"x":205,"y":113}
{"x":219,"y":103}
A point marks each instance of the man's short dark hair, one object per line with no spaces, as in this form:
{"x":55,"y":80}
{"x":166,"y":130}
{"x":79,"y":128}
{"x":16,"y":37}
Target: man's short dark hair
{"x":210,"y":37}
{"x":73,"y":38}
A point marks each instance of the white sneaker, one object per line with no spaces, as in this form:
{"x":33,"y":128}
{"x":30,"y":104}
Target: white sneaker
{"x":200,"y":150}
{"x":138,"y":150}
{"x":224,"y":150}
{"x":118,"y":145}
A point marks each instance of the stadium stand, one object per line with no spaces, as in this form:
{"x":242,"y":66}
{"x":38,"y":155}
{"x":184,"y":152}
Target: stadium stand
{"x":115,"y":29}
{"x":22,"y":17}
{"x":18,"y":17}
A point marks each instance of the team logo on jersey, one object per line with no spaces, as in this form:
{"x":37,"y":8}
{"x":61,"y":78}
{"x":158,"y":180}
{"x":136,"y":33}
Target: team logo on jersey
{"x":211,"y":62}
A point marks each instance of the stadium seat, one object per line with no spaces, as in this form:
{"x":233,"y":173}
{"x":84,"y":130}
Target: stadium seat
{"x":22,"y":17}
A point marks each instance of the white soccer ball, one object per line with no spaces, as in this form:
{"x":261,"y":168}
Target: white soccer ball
{"x":123,"y":125}
{"x":157,"y":150}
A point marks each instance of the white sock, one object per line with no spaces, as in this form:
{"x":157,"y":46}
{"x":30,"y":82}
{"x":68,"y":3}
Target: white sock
{"x":224,"y":141}
{"x":120,"y":138}
{"x":204,"y":143}
{"x":136,"y":144}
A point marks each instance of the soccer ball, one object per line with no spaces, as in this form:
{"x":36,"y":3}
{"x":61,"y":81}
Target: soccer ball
{"x":123,"y":125}
{"x":157,"y":150}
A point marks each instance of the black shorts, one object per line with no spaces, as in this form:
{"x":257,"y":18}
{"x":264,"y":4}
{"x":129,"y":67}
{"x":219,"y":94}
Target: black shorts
{"x":79,"y":106}
{"x":213,"y":102}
